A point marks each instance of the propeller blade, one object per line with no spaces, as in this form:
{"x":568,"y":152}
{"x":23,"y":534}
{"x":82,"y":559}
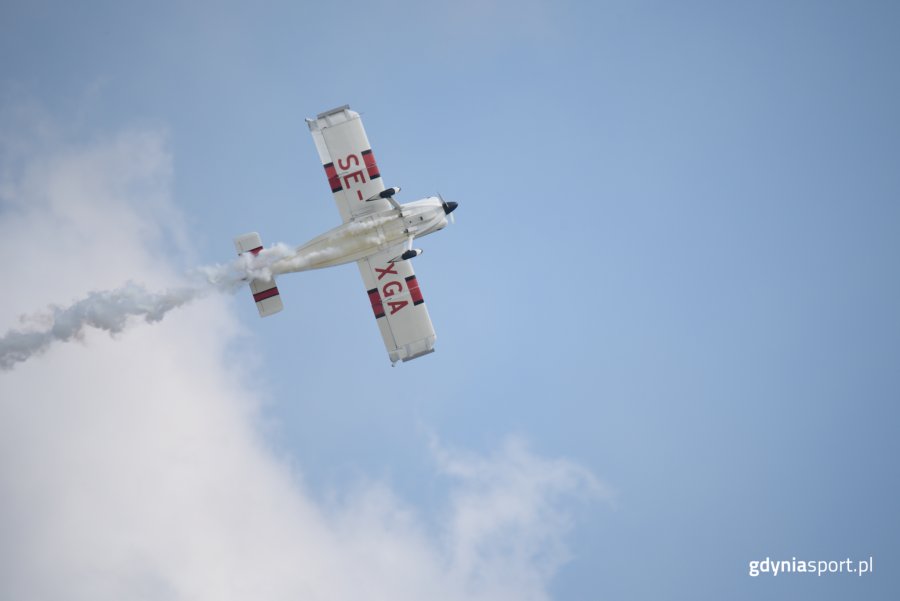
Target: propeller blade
{"x":449,"y":207}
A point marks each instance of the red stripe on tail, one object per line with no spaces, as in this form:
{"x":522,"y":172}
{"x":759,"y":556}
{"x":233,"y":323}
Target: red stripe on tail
{"x":261,"y":296}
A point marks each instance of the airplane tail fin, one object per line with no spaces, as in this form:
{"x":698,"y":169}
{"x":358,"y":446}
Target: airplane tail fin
{"x":265,"y":292}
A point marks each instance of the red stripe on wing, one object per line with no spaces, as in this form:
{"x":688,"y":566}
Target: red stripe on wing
{"x":413,"y":284}
{"x":333,"y":180}
{"x":371,"y":166}
{"x":377,"y":306}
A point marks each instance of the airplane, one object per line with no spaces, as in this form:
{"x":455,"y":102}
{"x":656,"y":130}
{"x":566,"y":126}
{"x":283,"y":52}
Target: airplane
{"x":377,"y":233}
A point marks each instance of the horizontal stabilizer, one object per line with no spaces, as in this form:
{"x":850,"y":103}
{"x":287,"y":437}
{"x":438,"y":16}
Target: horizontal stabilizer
{"x":265,"y":292}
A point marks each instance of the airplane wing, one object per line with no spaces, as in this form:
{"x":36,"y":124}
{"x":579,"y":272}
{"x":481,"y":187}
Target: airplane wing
{"x":348,"y":160}
{"x":393,"y":288}
{"x":398,"y":305}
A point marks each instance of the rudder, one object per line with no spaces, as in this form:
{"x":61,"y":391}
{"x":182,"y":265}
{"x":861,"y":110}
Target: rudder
{"x":265,"y":292}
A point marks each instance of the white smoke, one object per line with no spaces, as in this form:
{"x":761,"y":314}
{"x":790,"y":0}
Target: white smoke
{"x":231,"y":276}
{"x":113,"y":310}
{"x":108,"y":310}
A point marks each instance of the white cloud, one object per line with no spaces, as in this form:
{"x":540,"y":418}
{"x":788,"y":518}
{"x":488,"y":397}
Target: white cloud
{"x":506,"y":517}
{"x":131,"y":467}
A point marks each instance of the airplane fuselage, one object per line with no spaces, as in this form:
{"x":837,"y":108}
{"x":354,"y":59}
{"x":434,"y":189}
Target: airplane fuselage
{"x":367,"y":235}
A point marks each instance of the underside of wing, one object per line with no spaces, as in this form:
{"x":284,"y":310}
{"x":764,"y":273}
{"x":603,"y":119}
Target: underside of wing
{"x":349,"y":163}
{"x":398,"y":305}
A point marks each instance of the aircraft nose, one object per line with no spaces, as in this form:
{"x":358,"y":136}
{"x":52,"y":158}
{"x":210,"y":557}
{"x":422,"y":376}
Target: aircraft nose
{"x":449,"y":207}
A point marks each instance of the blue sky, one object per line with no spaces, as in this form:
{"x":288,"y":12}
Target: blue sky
{"x":673,"y":265}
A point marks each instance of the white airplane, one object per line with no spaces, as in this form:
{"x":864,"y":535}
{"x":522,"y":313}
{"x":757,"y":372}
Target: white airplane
{"x":377,"y":234}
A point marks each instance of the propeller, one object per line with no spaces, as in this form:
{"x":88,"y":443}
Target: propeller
{"x":449,"y":207}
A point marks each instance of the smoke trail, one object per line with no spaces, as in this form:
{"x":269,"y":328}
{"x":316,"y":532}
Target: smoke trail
{"x":229,"y":277}
{"x":112,"y":310}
